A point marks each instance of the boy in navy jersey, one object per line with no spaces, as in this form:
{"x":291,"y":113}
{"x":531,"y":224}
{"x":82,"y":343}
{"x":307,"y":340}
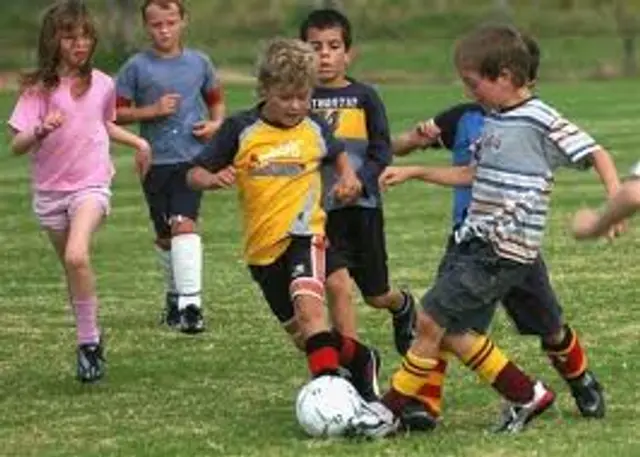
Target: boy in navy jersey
{"x":355,"y":230}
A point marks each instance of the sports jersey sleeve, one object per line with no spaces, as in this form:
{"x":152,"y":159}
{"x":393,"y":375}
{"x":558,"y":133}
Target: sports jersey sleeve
{"x":221,"y":150}
{"x":332,"y":145}
{"x":127,"y":84}
{"x":28,"y":112}
{"x":211,"y":89}
{"x":379,"y":153}
{"x":449,"y":120}
{"x":572,"y":142}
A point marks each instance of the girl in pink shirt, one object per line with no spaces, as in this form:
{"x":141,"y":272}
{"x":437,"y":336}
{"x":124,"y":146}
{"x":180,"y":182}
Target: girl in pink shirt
{"x":64,"y":120}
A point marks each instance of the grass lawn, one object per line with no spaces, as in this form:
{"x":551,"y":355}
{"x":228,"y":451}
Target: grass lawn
{"x":230,"y":391}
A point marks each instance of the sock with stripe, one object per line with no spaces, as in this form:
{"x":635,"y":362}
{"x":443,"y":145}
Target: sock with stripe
{"x":186,"y":259}
{"x":492,"y":366}
{"x":322,"y":354}
{"x":568,"y":358}
{"x":414,"y":381}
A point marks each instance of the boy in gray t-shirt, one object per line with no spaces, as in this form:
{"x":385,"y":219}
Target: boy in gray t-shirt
{"x":173,"y":93}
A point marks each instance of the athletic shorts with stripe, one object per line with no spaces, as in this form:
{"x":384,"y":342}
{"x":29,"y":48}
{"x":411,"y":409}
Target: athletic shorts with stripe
{"x":300,"y":270}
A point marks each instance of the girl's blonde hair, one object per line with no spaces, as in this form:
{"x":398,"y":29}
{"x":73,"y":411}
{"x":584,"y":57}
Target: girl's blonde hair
{"x":61,"y":18}
{"x":286,"y":63}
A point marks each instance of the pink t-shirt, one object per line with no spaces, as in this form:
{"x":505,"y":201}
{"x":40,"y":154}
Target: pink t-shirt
{"x":76,"y":155}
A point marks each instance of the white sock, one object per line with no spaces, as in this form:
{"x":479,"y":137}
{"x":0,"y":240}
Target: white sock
{"x":186,"y":256}
{"x":164,"y":260}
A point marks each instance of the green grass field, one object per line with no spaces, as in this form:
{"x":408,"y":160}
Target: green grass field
{"x":230,"y":391}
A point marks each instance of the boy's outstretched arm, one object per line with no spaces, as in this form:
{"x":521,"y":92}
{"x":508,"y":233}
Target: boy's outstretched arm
{"x":422,"y":136}
{"x":589,"y":223}
{"x":443,"y":176}
{"x":606,"y":169}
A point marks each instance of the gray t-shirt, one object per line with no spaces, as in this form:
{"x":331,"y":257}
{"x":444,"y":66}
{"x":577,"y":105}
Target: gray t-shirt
{"x":146,"y":77}
{"x":516,"y":155}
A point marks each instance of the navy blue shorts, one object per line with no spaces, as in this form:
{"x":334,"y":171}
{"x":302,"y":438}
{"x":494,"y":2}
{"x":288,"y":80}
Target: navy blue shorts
{"x":357,"y":242}
{"x":530,"y":302}
{"x":168,"y":195}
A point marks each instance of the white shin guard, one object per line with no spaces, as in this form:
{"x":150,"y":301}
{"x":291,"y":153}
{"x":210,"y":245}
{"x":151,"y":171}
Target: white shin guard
{"x":186,"y":257}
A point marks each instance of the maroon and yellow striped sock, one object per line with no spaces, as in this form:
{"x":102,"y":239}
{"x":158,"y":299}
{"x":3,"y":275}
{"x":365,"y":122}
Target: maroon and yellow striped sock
{"x":414,"y":380}
{"x":495,"y":368}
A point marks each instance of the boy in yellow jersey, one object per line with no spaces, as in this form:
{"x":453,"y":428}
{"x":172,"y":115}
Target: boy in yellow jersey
{"x":273,"y":153}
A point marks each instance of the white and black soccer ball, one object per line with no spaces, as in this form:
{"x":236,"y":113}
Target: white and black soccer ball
{"x":326,"y":405}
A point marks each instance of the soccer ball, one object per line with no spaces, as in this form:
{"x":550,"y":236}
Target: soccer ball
{"x":325,"y":406}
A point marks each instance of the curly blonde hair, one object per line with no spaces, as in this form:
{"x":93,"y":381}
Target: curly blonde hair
{"x":286,"y":62}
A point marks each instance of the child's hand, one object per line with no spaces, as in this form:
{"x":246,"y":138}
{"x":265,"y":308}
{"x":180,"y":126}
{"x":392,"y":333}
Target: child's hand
{"x":167,"y":104}
{"x":204,"y":130}
{"x":584,"y":224}
{"x":52,"y":121}
{"x":142,"y":159}
{"x":223,"y":179}
{"x":348,"y":188}
{"x":392,"y":176}
{"x":617,"y":230}
{"x":428,"y":130}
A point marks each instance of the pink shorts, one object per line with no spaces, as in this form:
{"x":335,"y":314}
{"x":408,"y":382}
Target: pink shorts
{"x":55,"y":209}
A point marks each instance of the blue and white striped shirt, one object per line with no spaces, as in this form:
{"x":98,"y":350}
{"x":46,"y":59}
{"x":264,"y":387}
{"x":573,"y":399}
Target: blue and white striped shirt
{"x":516,"y":155}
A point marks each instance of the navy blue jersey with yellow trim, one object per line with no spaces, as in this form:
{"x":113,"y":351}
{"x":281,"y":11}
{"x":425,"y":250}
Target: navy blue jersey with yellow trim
{"x":277,"y":175}
{"x":358,"y":118}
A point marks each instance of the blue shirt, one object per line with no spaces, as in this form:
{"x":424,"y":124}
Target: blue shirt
{"x":460,"y":128}
{"x":146,"y":77}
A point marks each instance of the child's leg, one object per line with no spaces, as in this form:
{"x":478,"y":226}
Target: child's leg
{"x":342,"y":312}
{"x":535,"y":310}
{"x":84,"y":221}
{"x":186,"y":251}
{"x":157,"y":197}
{"x":371,"y":274}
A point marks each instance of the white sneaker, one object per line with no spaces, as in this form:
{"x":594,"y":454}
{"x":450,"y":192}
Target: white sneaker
{"x":374,"y":420}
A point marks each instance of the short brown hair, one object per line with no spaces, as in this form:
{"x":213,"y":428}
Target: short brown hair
{"x":490,"y":49}
{"x":164,"y":4}
{"x":286,"y":62}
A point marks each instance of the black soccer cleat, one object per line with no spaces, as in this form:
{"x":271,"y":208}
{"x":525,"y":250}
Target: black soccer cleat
{"x":588,"y":395}
{"x":170,"y":314}
{"x":191,"y":320}
{"x":366,"y":381}
{"x":404,"y":322}
{"x":90,"y":362}
{"x":415,"y":417}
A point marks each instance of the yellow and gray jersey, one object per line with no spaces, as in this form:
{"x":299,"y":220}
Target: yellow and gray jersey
{"x":516,"y":155}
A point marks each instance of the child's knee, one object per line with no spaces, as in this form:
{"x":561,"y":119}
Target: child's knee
{"x":633,"y":193}
{"x":384,"y":301}
{"x":426,"y":326}
{"x":338,"y":285}
{"x":76,"y":259}
{"x":181,"y":225}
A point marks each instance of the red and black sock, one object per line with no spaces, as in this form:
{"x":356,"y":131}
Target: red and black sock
{"x":322,"y":354}
{"x":567,"y":357}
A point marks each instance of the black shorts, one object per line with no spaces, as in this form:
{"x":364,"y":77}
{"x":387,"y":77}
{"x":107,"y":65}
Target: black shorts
{"x":168,"y":195}
{"x":300,"y":270}
{"x":471,"y":281}
{"x":531,"y":305}
{"x":357,"y":242}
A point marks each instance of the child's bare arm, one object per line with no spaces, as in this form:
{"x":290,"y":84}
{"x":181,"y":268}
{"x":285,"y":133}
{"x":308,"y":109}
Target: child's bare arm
{"x":128,"y":113}
{"x":588,"y":223}
{"x":443,"y":176}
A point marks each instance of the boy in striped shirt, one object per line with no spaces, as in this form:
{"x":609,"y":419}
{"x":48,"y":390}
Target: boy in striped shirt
{"x":532,"y":305}
{"x":523,"y":141}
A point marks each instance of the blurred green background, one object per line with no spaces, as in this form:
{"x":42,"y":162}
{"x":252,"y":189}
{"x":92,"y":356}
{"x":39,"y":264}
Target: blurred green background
{"x":396,"y":40}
